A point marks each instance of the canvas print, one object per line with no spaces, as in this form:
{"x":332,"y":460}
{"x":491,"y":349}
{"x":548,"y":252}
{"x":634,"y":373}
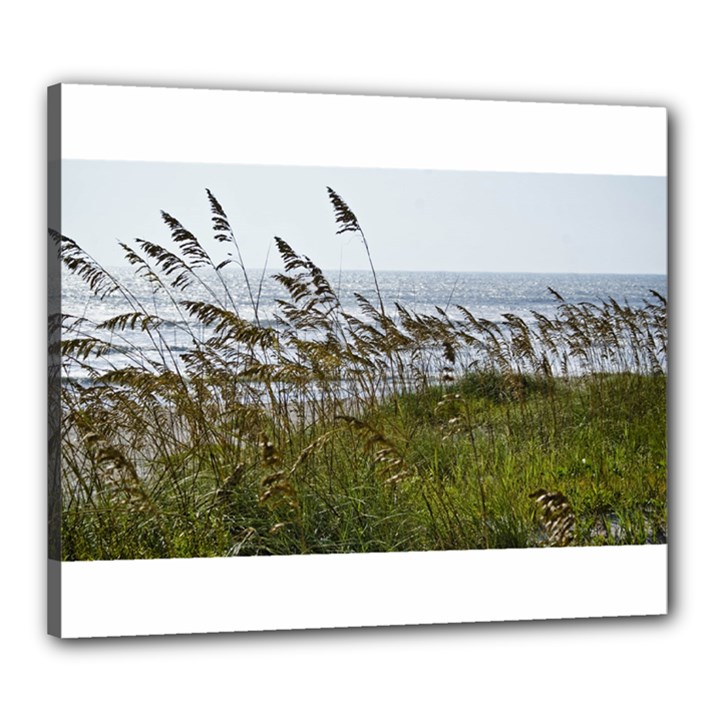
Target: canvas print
{"x":284,"y":360}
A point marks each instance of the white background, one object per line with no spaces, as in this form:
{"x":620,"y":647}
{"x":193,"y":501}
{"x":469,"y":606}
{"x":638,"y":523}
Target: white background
{"x":631,"y":53}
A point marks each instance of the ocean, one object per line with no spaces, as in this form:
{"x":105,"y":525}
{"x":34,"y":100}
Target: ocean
{"x":485,"y":295}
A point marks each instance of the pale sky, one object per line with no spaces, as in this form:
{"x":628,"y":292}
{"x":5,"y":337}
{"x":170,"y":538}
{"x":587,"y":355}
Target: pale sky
{"x":412,"y":219}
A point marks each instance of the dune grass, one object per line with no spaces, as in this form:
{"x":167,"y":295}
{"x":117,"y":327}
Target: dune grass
{"x":328,"y":432}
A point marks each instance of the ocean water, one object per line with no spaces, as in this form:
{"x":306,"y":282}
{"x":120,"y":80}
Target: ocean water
{"x":485,"y":295}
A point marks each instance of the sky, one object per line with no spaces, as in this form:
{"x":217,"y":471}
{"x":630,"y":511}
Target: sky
{"x":412,"y":219}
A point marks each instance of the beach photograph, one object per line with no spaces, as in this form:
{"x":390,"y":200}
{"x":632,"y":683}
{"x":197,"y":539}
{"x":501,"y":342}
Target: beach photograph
{"x":285,"y":360}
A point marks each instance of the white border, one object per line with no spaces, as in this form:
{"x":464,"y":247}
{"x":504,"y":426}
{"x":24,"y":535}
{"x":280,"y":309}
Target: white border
{"x":179,"y":125}
{"x":228,"y":594}
{"x":150,"y":597}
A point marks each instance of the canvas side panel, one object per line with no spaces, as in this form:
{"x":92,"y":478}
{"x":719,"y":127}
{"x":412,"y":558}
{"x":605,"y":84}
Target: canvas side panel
{"x":54,"y":499}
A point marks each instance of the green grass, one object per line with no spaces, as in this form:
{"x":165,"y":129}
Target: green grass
{"x":441,"y":436}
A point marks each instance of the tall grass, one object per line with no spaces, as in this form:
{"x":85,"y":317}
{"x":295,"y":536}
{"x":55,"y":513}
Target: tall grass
{"x":328,"y":431}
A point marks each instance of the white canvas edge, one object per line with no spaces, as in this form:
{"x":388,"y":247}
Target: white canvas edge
{"x":270,"y":128}
{"x":233,"y":594}
{"x":150,"y":597}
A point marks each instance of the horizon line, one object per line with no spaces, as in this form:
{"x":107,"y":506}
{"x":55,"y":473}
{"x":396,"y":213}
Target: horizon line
{"x":447,"y":272}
